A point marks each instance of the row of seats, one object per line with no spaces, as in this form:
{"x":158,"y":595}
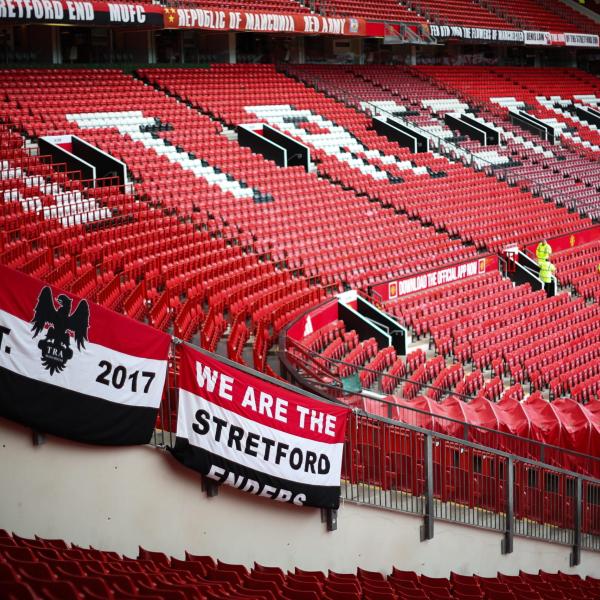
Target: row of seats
{"x":364,"y":162}
{"x":566,"y":173}
{"x":459,"y":12}
{"x":382,"y":10}
{"x":578,"y":267}
{"x":51,"y":569}
{"x":403,"y":92}
{"x":268,"y":6}
{"x":514,"y":331}
{"x":523,"y":87}
{"x":543,"y":16}
{"x":538,"y":15}
{"x":494,"y":409}
{"x":553,"y":95}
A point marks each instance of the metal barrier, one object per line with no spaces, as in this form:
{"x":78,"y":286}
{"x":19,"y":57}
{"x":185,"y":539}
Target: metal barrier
{"x":399,"y":467}
{"x":296,"y":355}
{"x":402,"y":467}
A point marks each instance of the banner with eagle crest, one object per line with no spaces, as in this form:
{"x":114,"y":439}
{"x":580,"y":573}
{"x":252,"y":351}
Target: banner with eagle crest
{"x":74,"y":369}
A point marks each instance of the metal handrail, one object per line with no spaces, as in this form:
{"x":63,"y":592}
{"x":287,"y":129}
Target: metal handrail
{"x":535,"y":447}
{"x":384,"y":420}
{"x":407,"y":468}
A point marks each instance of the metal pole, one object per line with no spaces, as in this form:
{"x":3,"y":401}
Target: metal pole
{"x":575,"y":558}
{"x":509,"y":525}
{"x":329,"y":516}
{"x":209,"y":486}
{"x":427,"y":527}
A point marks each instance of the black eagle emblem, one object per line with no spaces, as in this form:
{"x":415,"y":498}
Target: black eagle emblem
{"x":61,"y":324}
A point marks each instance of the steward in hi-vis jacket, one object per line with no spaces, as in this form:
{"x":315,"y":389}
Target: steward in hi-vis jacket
{"x":543,"y":251}
{"x":547,"y":269}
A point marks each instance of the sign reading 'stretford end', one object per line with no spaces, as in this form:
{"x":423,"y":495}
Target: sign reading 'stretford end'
{"x":258,"y":436}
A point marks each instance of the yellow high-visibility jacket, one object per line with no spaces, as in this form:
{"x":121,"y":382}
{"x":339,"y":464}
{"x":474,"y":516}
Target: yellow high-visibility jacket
{"x":546,"y":270}
{"x":543,"y":251}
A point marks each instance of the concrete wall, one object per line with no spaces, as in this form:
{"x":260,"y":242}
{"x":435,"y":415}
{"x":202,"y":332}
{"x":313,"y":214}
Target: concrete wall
{"x":117,"y":498}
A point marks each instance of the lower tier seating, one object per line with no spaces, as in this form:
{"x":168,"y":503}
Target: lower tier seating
{"x":548,"y":342}
{"x":51,"y":569}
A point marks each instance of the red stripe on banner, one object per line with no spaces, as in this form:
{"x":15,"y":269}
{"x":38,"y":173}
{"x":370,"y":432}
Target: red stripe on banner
{"x":260,"y":400}
{"x":571,"y":240}
{"x":19,"y":295}
{"x":83,"y":12}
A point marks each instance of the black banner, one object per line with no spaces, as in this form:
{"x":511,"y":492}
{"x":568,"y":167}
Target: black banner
{"x":81,"y":12}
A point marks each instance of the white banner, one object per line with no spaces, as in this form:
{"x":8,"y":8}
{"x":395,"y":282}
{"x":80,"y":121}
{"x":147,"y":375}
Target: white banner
{"x":531,"y":38}
{"x":537,"y":38}
{"x":257,"y":435}
{"x":273,"y":452}
{"x":95,"y":370}
{"x":583,"y":40}
{"x":476,"y":33}
{"x":74,"y":369}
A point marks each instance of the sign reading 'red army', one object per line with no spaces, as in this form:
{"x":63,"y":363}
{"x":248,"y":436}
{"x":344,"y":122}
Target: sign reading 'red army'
{"x":153,"y":15}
